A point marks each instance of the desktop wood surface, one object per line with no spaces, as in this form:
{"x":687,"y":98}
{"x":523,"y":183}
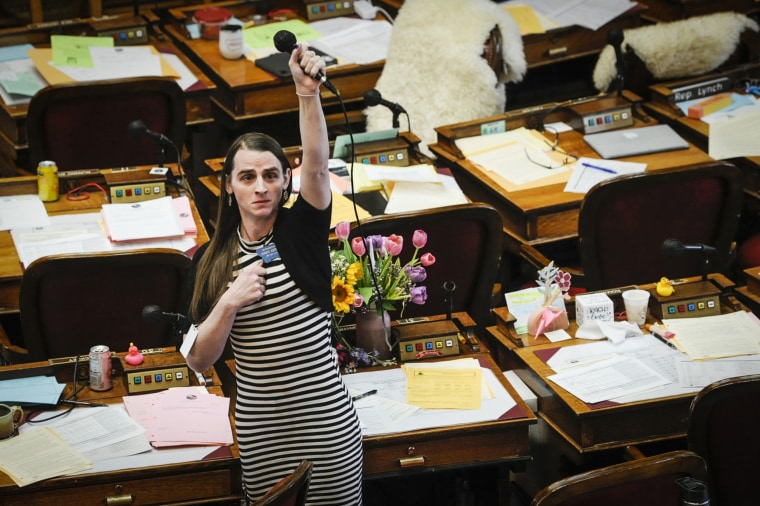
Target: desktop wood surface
{"x":212,"y":480}
{"x":13,"y":139}
{"x":544,"y":214}
{"x":11,"y":270}
{"x":245,"y":91}
{"x":495,"y":442}
{"x":585,"y":428}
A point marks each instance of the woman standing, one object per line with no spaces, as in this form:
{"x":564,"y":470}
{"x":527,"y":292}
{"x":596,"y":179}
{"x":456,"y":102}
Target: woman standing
{"x":263,"y":282}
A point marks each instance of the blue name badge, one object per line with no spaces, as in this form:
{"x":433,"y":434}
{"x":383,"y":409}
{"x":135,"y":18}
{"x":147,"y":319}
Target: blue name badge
{"x":268,"y":253}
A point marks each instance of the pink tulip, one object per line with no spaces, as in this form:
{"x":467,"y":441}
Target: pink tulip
{"x":394,"y":244}
{"x":358,"y":247}
{"x":342,"y":230}
{"x":427,"y":259}
{"x":419,"y":239}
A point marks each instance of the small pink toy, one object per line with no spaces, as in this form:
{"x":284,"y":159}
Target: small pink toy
{"x":134,"y":357}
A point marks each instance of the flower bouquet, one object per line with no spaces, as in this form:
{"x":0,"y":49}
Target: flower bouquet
{"x":369,"y":276}
{"x":554,"y":284}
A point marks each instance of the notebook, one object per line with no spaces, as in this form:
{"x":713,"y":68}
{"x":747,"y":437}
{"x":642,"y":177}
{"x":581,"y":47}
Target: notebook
{"x":635,"y":141}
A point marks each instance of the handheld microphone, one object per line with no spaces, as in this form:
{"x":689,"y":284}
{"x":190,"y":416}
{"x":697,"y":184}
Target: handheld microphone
{"x":285,"y":42}
{"x":154,"y":314}
{"x":373,"y":97}
{"x":674,"y":247}
{"x":615,"y":39}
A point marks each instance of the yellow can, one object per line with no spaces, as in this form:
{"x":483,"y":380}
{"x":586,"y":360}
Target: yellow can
{"x":47,"y":181}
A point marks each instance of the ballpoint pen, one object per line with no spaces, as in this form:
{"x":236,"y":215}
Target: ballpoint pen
{"x":603,"y":169}
{"x":83,"y":403}
{"x":365,"y":394}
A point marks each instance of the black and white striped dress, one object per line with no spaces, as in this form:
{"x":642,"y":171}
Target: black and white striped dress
{"x":292,"y":404}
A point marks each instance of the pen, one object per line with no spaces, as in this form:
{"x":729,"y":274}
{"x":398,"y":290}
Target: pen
{"x":663,"y":339}
{"x":365,"y":394}
{"x":83,"y":403}
{"x":603,"y":169}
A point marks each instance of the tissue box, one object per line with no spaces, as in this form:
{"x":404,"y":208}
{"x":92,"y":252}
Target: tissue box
{"x":593,"y":306}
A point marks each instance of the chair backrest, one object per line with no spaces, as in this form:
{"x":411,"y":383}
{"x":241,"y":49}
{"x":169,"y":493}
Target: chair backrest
{"x":290,"y":491}
{"x":624,"y":221}
{"x":723,"y":430}
{"x":84,"y":125}
{"x":649,"y":480}
{"x":71,"y":302}
{"x":466,"y":241}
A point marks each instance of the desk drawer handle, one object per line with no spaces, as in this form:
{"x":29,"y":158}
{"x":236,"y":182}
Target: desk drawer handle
{"x":557,"y":51}
{"x":411,"y":461}
{"x":116,"y":500}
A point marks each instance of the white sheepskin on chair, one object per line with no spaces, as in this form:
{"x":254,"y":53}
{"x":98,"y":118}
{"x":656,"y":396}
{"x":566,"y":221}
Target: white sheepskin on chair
{"x":678,"y":49}
{"x":434,"y":67}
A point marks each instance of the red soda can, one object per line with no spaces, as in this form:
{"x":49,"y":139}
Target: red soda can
{"x":100,"y":368}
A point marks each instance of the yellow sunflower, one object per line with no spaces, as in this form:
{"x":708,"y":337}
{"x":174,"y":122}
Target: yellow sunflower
{"x":342,"y":295}
{"x":354,"y":273}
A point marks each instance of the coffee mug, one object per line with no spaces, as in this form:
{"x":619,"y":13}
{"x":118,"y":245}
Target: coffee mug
{"x":231,"y":41}
{"x":10,"y":418}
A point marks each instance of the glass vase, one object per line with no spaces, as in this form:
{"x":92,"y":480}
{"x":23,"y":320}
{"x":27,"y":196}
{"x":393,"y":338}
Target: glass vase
{"x":373,"y":331}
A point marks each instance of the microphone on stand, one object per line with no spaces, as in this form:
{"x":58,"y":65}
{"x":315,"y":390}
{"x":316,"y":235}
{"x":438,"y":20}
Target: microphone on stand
{"x":138,"y":128}
{"x":373,"y":97}
{"x":615,"y":39}
{"x":674,"y":247}
{"x":285,"y":42}
{"x":154,"y":314}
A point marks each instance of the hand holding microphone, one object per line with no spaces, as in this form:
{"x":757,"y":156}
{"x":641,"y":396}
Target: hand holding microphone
{"x":309,"y":63}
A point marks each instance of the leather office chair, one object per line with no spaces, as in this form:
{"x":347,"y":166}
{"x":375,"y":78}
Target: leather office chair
{"x":649,"y":480}
{"x":466,"y":241}
{"x":723,"y":431}
{"x":623,"y":222}
{"x":84,"y":125}
{"x":71,"y":302}
{"x":290,"y":491}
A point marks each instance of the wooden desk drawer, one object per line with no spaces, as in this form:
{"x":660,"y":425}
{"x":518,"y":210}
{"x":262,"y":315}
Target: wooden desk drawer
{"x":571,"y":42}
{"x":501,"y":443}
{"x":168,"y":489}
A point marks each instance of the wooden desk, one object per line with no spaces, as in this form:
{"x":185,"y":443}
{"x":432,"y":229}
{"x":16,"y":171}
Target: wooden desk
{"x":499,"y":442}
{"x":212,"y":480}
{"x":672,"y":10}
{"x":246,"y":92}
{"x":13,"y":139}
{"x":11,"y":270}
{"x":545,"y":214}
{"x":698,"y":132}
{"x":588,"y":428}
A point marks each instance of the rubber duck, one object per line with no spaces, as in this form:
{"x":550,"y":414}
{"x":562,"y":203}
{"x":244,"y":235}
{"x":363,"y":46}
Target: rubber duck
{"x":664,"y":287}
{"x":134,"y":357}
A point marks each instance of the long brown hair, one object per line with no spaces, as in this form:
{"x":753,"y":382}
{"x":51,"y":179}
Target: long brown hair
{"x":215,"y":267}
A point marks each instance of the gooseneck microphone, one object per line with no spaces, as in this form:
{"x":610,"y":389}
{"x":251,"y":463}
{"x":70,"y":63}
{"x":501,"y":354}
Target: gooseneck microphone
{"x":373,"y":97}
{"x":285,"y":42}
{"x":615,"y":39}
{"x":154,"y":314}
{"x":138,"y":128}
{"x":674,"y":247}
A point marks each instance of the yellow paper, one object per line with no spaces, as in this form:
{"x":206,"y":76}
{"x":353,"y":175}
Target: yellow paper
{"x":360,"y":180}
{"x":443,"y":388}
{"x":343,"y":210}
{"x":526,"y":19}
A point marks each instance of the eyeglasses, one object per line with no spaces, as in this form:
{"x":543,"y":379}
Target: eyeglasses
{"x":554,"y":149}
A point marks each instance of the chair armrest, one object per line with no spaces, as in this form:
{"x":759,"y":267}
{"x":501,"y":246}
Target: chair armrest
{"x":9,"y":352}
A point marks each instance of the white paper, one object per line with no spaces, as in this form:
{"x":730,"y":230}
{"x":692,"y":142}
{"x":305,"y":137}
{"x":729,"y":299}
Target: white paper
{"x":363,"y":42}
{"x":584,"y":177}
{"x":149,"y":219}
{"x":412,"y":196}
{"x":736,"y":135}
{"x":709,"y":337}
{"x":18,"y":211}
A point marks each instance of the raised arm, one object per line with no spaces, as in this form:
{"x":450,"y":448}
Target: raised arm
{"x":315,"y":180}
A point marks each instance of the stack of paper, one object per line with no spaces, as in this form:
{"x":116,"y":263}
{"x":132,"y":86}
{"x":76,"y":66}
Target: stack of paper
{"x":185,"y":215}
{"x":186,"y":416}
{"x":150,"y":219}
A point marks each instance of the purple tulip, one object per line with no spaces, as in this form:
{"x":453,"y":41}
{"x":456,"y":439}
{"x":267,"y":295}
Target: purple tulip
{"x":417,"y":274}
{"x":419,"y":295}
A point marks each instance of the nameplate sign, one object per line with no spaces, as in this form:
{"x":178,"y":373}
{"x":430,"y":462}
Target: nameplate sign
{"x":700,"y":90}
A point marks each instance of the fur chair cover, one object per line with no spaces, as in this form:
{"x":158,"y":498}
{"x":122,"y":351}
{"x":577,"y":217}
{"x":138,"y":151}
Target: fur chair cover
{"x":434,"y":67}
{"x":678,"y":49}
